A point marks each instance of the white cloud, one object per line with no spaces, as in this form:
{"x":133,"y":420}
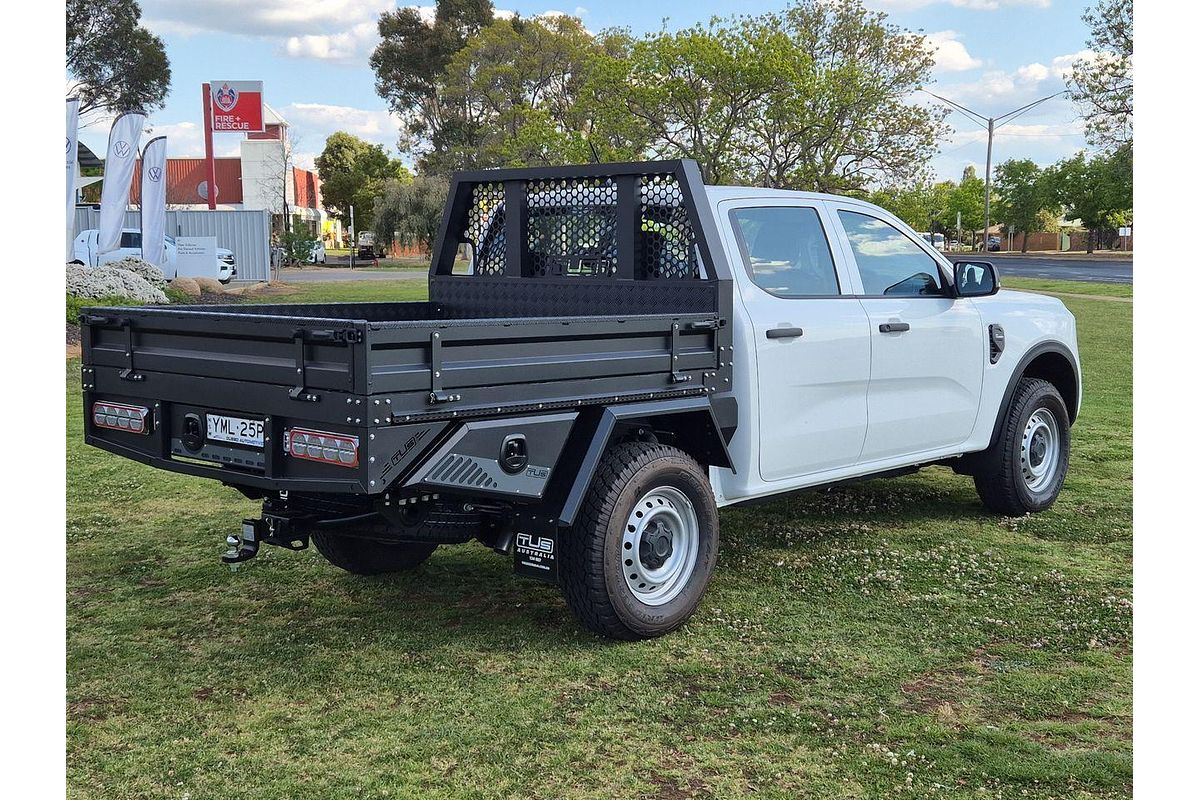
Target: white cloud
{"x":949,"y":54}
{"x":344,"y":31}
{"x":311,"y":124}
{"x":995,"y":88}
{"x":277,"y":18}
{"x":348,"y":45}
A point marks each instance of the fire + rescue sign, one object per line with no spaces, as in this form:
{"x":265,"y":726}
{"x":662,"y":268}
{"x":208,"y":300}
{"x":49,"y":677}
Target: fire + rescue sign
{"x":237,"y":106}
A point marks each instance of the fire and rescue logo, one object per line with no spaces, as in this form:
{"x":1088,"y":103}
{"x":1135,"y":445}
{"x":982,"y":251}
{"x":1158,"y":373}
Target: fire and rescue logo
{"x":122,"y":149}
{"x":154,"y":174}
{"x":226,"y":98}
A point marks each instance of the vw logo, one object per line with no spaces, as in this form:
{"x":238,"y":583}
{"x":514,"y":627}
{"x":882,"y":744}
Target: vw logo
{"x":122,"y":149}
{"x":154,"y":174}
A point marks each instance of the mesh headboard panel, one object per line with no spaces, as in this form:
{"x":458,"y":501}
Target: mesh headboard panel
{"x":594,"y":239}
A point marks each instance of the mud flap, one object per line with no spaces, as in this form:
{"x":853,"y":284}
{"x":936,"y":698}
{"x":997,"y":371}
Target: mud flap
{"x":535,"y":554}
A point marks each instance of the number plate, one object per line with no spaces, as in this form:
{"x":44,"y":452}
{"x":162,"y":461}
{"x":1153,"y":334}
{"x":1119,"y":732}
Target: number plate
{"x":235,"y":429}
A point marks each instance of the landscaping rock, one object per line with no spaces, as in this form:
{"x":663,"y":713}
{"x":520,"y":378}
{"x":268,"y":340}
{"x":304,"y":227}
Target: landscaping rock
{"x":187,"y":286}
{"x":210,"y":285}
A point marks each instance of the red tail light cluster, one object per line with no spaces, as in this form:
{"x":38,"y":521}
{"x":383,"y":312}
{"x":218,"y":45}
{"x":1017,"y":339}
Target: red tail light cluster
{"x":322,"y":446}
{"x":121,"y":417}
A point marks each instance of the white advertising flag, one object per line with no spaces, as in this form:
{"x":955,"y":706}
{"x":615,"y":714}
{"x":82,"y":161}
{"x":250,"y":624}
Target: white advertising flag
{"x":154,"y":200}
{"x":72,"y":169}
{"x":123,"y":141}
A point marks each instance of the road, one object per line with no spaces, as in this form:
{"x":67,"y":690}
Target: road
{"x":1028,"y":266}
{"x":1115,"y":270}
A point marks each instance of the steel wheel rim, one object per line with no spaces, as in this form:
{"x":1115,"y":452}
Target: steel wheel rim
{"x":1040,"y":446}
{"x":653,"y":576}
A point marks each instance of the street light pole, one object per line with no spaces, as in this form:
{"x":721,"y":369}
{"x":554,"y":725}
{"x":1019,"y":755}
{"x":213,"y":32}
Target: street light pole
{"x":987,"y":185}
{"x":991,"y":124}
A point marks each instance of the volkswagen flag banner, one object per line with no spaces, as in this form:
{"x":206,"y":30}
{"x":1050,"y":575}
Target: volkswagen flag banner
{"x":237,"y":106}
{"x":154,"y":201}
{"x":123,"y":141}
{"x":72,"y":169}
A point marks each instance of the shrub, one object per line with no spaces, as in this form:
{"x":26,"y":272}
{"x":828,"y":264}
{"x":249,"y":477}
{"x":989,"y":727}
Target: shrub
{"x":74,"y":304}
{"x":108,"y":281}
{"x":153,"y":275}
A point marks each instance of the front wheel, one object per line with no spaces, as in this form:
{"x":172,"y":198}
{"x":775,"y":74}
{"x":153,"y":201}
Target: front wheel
{"x":643,"y":548}
{"x":1024,"y":470}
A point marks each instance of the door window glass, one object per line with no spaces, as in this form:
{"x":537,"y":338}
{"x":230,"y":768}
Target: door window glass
{"x":786,"y":251}
{"x":131,"y":239}
{"x":889,"y":262}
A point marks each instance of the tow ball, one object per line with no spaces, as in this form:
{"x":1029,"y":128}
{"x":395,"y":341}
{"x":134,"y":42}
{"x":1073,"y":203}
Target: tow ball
{"x":243,"y":546}
{"x":271,"y":529}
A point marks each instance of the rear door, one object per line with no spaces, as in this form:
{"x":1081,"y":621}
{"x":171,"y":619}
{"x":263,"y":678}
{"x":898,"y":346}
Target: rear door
{"x":927,"y":349}
{"x":810,"y":337}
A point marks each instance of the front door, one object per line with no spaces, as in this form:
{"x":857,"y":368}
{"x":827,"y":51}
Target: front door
{"x":927,"y":348}
{"x":811,"y":339}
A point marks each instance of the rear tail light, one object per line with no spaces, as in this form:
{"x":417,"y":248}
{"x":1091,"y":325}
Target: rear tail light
{"x":328,"y":448}
{"x":121,"y":417}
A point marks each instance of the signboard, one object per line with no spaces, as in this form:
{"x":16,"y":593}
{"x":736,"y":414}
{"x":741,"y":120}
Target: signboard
{"x":1125,"y":231}
{"x":196,"y":257}
{"x":237,"y":106}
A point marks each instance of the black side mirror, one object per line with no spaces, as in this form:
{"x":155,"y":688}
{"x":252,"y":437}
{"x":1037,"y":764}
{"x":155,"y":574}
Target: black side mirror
{"x":975,"y":279}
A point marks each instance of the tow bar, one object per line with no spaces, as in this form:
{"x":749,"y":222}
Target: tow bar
{"x":271,"y":529}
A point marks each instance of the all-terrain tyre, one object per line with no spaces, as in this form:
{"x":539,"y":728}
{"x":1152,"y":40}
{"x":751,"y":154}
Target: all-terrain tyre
{"x":1024,"y":470}
{"x":641,"y":552}
{"x":371,"y":556}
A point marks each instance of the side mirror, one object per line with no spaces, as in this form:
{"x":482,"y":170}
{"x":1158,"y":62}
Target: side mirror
{"x":975,"y":279}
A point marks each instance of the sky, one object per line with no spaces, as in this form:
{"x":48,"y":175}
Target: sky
{"x":992,"y":56}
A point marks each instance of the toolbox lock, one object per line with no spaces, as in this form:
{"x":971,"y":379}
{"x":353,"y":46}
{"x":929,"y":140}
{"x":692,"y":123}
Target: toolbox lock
{"x":514,"y":454}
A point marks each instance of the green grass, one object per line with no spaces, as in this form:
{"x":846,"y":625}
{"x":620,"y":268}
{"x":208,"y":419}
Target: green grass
{"x":885,"y":640}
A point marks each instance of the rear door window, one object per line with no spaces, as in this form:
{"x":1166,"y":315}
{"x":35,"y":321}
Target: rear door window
{"x":131,"y":239}
{"x":786,"y":251}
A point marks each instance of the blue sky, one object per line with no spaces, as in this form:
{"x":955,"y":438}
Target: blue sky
{"x":993,"y":56}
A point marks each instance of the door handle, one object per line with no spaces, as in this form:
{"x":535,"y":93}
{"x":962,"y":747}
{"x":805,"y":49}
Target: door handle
{"x":784,"y":333}
{"x":893,"y":327}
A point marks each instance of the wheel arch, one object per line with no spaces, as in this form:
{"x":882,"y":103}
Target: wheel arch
{"x":1050,"y":361}
{"x":692,"y":422}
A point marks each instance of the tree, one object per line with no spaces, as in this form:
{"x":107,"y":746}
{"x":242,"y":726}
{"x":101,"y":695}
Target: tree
{"x":1102,"y":84}
{"x":410,"y":62}
{"x":1022,"y":194}
{"x":1096,"y":190}
{"x":411,"y":211}
{"x":921,"y":206}
{"x":114,"y":63}
{"x":965,"y":198}
{"x":353,"y":173}
{"x":521,"y":90}
{"x":816,"y":97}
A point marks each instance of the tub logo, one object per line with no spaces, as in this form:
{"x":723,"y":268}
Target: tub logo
{"x":226,"y":98}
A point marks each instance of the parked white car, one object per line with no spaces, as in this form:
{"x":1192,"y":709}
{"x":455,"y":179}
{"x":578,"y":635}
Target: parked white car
{"x":86,"y":252}
{"x":318,"y":253}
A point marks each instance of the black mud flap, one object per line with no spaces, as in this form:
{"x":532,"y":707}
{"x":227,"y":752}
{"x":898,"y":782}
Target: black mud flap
{"x":536,"y":555}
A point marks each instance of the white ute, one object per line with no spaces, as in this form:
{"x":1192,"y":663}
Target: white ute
{"x":861,"y":350}
{"x":86,"y":253}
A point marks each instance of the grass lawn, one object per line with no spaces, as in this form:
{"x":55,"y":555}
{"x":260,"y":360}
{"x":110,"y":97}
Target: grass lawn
{"x":885,"y":640}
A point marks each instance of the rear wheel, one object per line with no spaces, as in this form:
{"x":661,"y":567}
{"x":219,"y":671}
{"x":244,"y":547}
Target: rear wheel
{"x":641,"y":553}
{"x":371,"y":556}
{"x":1024,"y":470}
